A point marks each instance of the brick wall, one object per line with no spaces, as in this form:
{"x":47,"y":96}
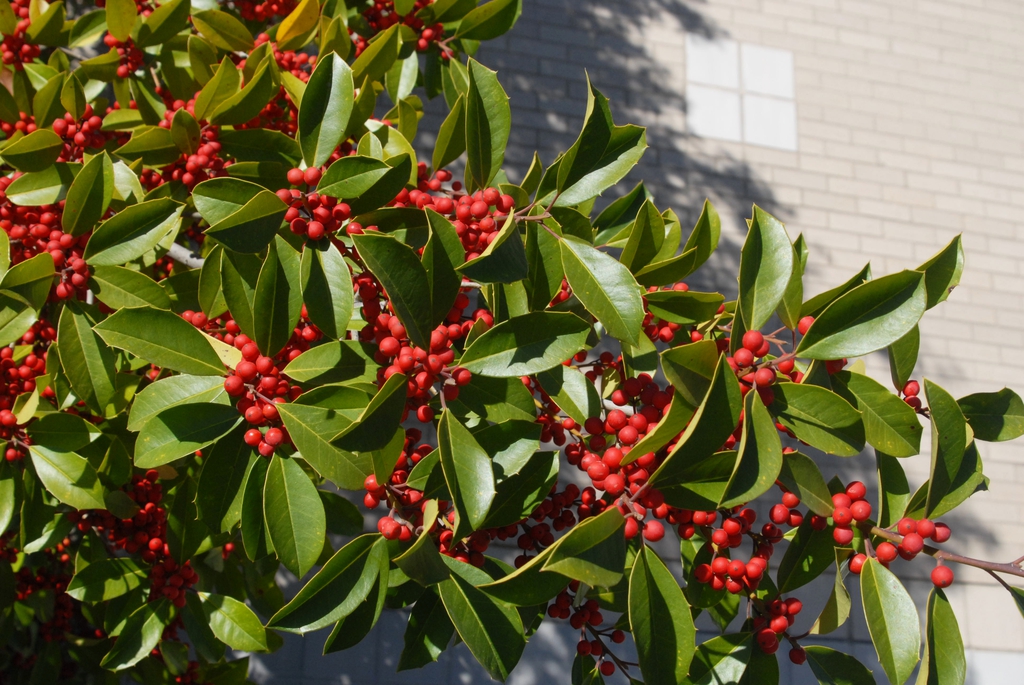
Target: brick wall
{"x":910,"y":125}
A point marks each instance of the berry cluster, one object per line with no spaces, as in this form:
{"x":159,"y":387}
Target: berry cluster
{"x":130,"y":57}
{"x":26,"y":123}
{"x":773,"y":621}
{"x":382,"y":15}
{"x":910,"y":394}
{"x":15,"y":48}
{"x":657,"y":329}
{"x":251,"y":10}
{"x":82,"y":134}
{"x":312,"y":215}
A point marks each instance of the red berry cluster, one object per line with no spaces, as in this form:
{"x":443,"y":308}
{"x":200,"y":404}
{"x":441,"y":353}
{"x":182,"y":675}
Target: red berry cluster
{"x":772,"y":621}
{"x":911,"y":390}
{"x":586,"y":616}
{"x":26,"y":123}
{"x":80,"y":135}
{"x":251,"y":10}
{"x":258,"y":384}
{"x":130,"y":57}
{"x":382,"y":15}
{"x":657,"y":329}
{"x":850,"y":508}
{"x":15,"y":48}
{"x":311,"y":214}
{"x":909,"y":545}
{"x":191,"y":169}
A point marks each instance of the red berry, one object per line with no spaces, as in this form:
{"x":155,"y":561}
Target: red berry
{"x":942,"y":532}
{"x":912,"y":543}
{"x":764,"y":377}
{"x":911,"y":389}
{"x":752,"y":340}
{"x":312,"y":176}
{"x":886,"y":552}
{"x":797,"y":655}
{"x":252,"y":437}
{"x":861,"y":510}
{"x":653,"y":531}
{"x":906,"y":525}
{"x":790,"y":500}
{"x":925,"y":528}
{"x":942,"y":576}
{"x":779,"y":514}
{"x":841,"y":499}
{"x":804,"y":324}
{"x":274,"y":436}
{"x":295,"y":176}
{"x":857,"y":563}
{"x":842,"y":516}
{"x":842,"y":536}
{"x":856,"y":490}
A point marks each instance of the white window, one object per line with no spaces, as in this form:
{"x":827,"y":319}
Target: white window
{"x":740,"y":92}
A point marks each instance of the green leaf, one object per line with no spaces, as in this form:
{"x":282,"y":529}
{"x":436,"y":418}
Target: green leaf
{"x":903,"y":357}
{"x":260,"y":145}
{"x":893,"y":490}
{"x":343,"y":517}
{"x":294,"y":31}
{"x":468,"y":472}
{"x":495,"y":399}
{"x":837,"y":606}
{"x":519,"y":493}
{"x":185,"y":131}
{"x":106,"y":579}
{"x":334,"y":362}
{"x":451,"y":137}
{"x":949,"y":441}
{"x":234,"y":623}
{"x":672,"y":423}
{"x":835,"y":668}
{"x":760,"y":455}
{"x":605,"y":287}
{"x":572,"y":392}
{"x":365,"y":183}
{"x":689,"y":368}
{"x":162,"y":338}
{"x":994,"y":416}
{"x":490,"y":20}
{"x":337,"y":589}
{"x":118,"y":287}
{"x":140,"y":635}
{"x":8,"y":495}
{"x":867,"y":318}
{"x":223,"y":30}
{"x":219,"y":491}
{"x":503,"y":260}
{"x":399,"y":270}
{"x":944,"y":662}
{"x":892,"y":621}
{"x":152,"y":145}
{"x":223,"y":85}
{"x":819,"y":417}
{"x":68,"y":477}
{"x":594,"y":552}
{"x":351,"y":630}
{"x":376,"y":425}
{"x":493,"y":631}
{"x":789,"y":306}
{"x":810,"y":553}
{"x":15,"y":315}
{"x":311,"y":429}
{"x":34,"y":152}
{"x":294,"y":515}
{"x":278,"y":297}
{"x":684,"y":307}
{"x":427,"y":634}
{"x":942,"y":272}
{"x":326,"y":288}
{"x":890,"y":424}
{"x":173,"y":391}
{"x":802,"y":477}
{"x":242,"y":215}
{"x":721,"y":660}
{"x":625,"y":147}
{"x":121,"y":15}
{"x":89,"y":195}
{"x":715,"y":420}
{"x":817,"y":304}
{"x":587,"y":151}
{"x":442,"y":254}
{"x":660,"y":620}
{"x":766,"y":264}
{"x":526,"y":345}
{"x":59,"y":432}
{"x":163,"y":23}
{"x":488,"y":125}
{"x":45,"y":187}
{"x":181,"y":430}
{"x":379,"y":55}
{"x":968,"y":480}
{"x":422,"y":562}
{"x":325,"y":109}
{"x":133,"y":232}
{"x":86,"y":359}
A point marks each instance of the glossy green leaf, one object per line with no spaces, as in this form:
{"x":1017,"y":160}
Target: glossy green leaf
{"x":684,"y":307}
{"x":378,"y":57}
{"x":376,"y":425}
{"x":334,"y":362}
{"x":162,"y":338}
{"x":68,"y":477}
{"x":892,"y":621}
{"x":605,"y":287}
{"x":451,"y":137}
{"x":660,"y":621}
{"x":152,"y":145}
{"x":788,"y":310}
{"x":490,"y":20}
{"x":311,"y":429}
{"x":121,"y":15}
{"x":422,"y":562}
{"x":994,"y":416}
{"x":488,"y":125}
{"x":427,"y":634}
{"x":595,"y":551}
{"x":141,"y":633}
{"x":43,"y":187}
{"x":819,"y":417}
{"x":867,"y":318}
{"x":181,"y":430}
{"x":835,"y":668}
{"x":819,"y":303}
{"x":802,"y":477}
{"x":760,"y":455}
{"x":944,"y":662}
{"x":133,"y":232}
{"x":15,"y":315}
{"x":106,"y":579}
{"x":404,"y":279}
{"x":89,"y":195}
{"x":326,"y":107}
{"x":893,"y":490}
{"x":278,"y":297}
{"x":223,"y":85}
{"x":337,"y":589}
{"x":493,"y":631}
{"x":173,"y":391}
{"x":86,"y":359}
{"x":365,"y":183}
{"x":163,"y":23}
{"x":294,"y":515}
{"x":59,"y":432}
{"x":526,"y":344}
{"x":809,"y":554}
{"x":721,"y":660}
{"x":837,"y":607}
{"x":572,"y":392}
{"x":118,"y":287}
{"x":242,"y":215}
{"x":223,"y":30}
{"x":294,"y":31}
{"x":234,"y":623}
{"x":326,"y":288}
{"x":34,"y":152}
{"x":766,"y":264}
{"x":942,"y":272}
{"x":468,"y":472}
{"x":219,"y":491}
{"x":890,"y":424}
{"x":949,"y":441}
{"x":503,"y":260}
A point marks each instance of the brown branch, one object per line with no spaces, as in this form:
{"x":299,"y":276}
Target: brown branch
{"x":1012,"y":568}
